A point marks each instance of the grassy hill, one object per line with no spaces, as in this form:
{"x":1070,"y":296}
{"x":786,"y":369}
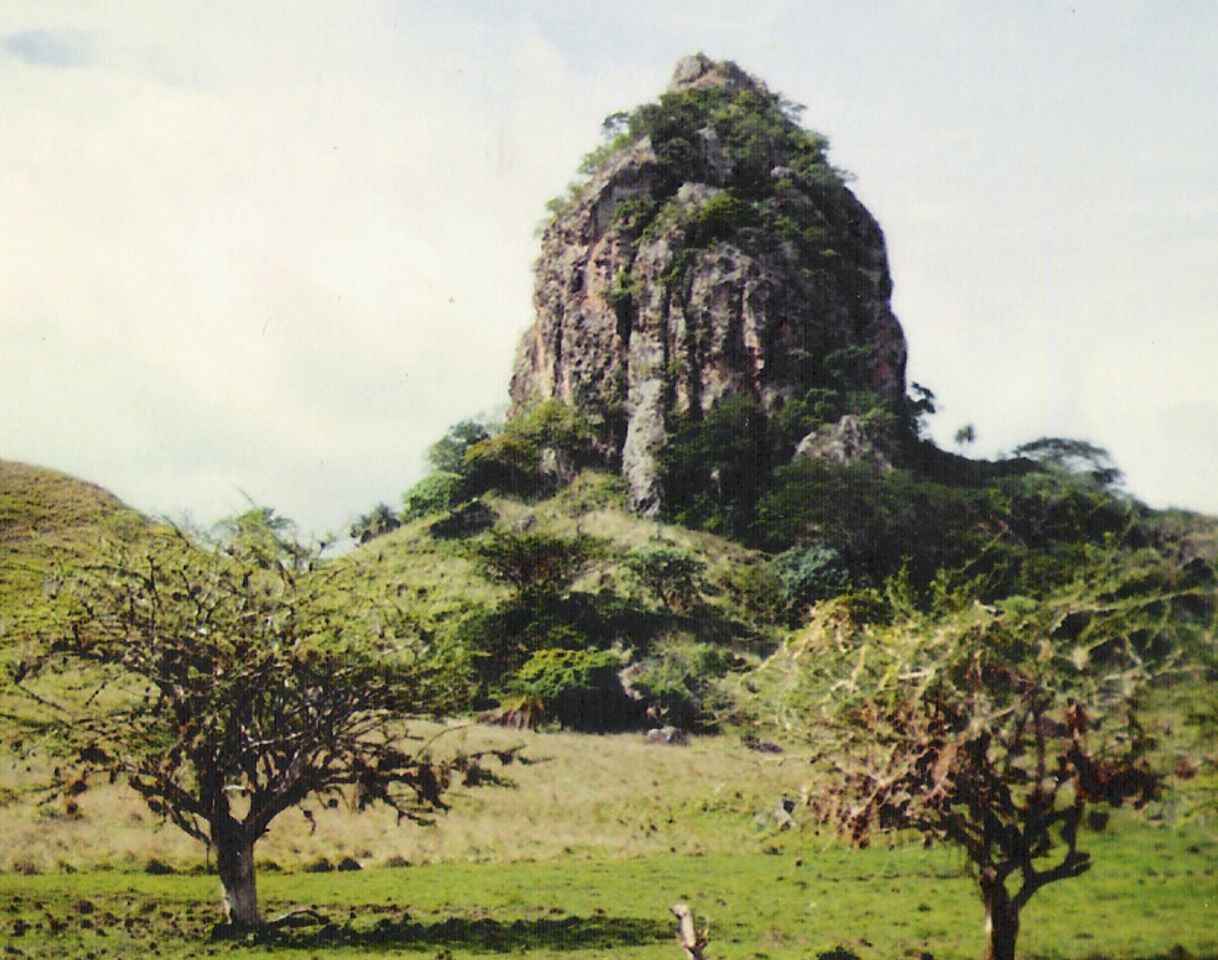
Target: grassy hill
{"x":43,"y":511}
{"x":438,"y":578}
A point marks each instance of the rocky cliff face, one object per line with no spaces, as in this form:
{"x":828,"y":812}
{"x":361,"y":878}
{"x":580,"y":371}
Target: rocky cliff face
{"x":713,"y":252}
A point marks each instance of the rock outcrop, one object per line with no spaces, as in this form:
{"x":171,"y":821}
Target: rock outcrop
{"x":849,"y":440}
{"x":713,"y":252}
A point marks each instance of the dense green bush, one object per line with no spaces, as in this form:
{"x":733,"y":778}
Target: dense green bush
{"x":756,"y":130}
{"x":667,"y":571}
{"x":678,"y":681}
{"x":1052,"y":506}
{"x":807,"y":575}
{"x":876,"y":520}
{"x":579,"y":689}
{"x":718,"y":218}
{"x":501,"y":637}
{"x":377,"y":522}
{"x":713,"y":468}
{"x":513,"y":461}
{"x":447,"y":454}
{"x":536,"y":565}
{"x":438,"y":491}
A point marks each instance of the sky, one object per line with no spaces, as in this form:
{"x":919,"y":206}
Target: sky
{"x":270,"y":251}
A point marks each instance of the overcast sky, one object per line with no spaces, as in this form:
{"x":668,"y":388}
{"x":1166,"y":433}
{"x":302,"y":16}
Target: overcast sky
{"x":279,"y":247}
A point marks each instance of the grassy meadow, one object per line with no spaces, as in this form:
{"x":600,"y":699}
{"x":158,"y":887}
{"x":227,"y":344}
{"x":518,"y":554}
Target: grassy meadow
{"x":596,"y":835}
{"x":582,"y":857}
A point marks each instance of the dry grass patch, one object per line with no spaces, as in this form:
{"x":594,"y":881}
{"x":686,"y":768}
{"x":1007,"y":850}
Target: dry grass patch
{"x":593,"y":796}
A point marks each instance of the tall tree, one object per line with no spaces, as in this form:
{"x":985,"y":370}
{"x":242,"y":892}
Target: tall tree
{"x":225,"y":690}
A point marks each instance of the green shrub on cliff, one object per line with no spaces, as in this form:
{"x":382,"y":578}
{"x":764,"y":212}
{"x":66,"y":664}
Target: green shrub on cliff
{"x":535,"y":452}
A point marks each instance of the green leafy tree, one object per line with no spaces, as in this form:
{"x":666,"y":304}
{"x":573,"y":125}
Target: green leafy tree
{"x":876,"y":520}
{"x":535,"y":452}
{"x":448,"y":453}
{"x":680,"y":681}
{"x":807,"y":575}
{"x":715,"y":468}
{"x":226,"y":691}
{"x":262,"y":535}
{"x":440,"y":490}
{"x":918,"y":407}
{"x":579,"y":689}
{"x":669,"y":572}
{"x":994,"y":728}
{"x":1073,"y":456}
{"x":536,"y":565}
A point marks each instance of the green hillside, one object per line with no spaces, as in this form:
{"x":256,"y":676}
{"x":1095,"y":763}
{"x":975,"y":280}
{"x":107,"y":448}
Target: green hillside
{"x":43,"y":512}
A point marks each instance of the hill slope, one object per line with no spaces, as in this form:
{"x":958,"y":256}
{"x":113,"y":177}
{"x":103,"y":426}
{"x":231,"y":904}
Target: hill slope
{"x":43,"y":510}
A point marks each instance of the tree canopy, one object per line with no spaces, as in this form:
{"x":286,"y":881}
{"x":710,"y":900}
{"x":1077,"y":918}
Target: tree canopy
{"x":993,"y":727}
{"x":225,"y":690}
{"x":535,"y":565}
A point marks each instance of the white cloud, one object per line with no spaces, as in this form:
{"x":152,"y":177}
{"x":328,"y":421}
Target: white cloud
{"x":281,"y":246}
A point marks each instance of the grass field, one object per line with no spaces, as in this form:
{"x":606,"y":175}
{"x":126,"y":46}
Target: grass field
{"x":582,"y":859}
{"x":1152,"y":894}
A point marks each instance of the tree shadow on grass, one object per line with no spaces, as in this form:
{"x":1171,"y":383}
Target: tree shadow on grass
{"x":566,"y":933}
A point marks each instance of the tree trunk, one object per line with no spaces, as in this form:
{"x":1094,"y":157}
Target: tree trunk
{"x":1001,"y":921}
{"x":235,"y":864}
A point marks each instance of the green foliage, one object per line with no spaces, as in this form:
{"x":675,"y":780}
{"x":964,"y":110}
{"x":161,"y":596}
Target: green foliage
{"x":965,"y":435}
{"x":622,"y":295}
{"x":597,"y":158}
{"x":679,"y":682}
{"x":261,"y":535}
{"x":1042,"y":508}
{"x":447,"y":455}
{"x":579,"y":689}
{"x":232,"y":679}
{"x":1020,"y":533}
{"x":379,"y":521}
{"x":440,"y":490}
{"x":669,"y":572}
{"x":995,"y":728}
{"x":917,"y":407}
{"x":511,"y":461}
{"x":755,"y":130}
{"x":536,"y":565}
{"x":807,"y":575}
{"x":874,"y":520}
{"x":811,"y":240}
{"x":713,"y":468}
{"x":753,"y":127}
{"x":501,"y":637}
{"x":720,"y":217}
{"x":466,"y":520}
{"x":632,"y":216}
{"x":1072,"y":456}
